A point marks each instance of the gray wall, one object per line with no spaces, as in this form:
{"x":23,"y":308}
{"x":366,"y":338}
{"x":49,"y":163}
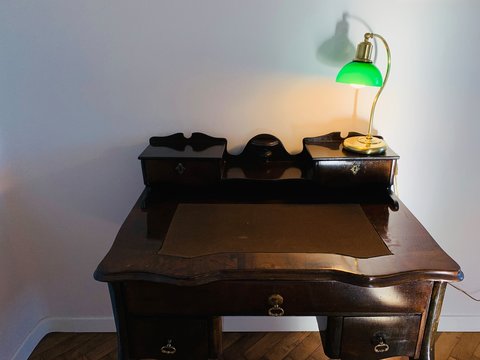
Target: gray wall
{"x":83,"y":84}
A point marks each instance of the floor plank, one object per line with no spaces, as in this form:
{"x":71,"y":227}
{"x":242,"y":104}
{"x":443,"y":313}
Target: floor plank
{"x":446,"y":342}
{"x":289,"y":342}
{"x":303,"y":350}
{"x":52,"y":340}
{"x":240,"y":346}
{"x":66,"y":349}
{"x":465,"y":347}
{"x":476,"y":353}
{"x":238,"y":349}
{"x":318,"y":354}
{"x":231,"y":339}
{"x":264,"y":345}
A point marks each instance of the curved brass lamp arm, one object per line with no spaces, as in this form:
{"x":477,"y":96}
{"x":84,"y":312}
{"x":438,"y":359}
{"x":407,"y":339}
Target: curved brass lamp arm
{"x":372,"y":112}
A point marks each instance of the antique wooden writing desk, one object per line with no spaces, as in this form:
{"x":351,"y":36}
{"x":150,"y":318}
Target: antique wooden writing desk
{"x":270,"y":233}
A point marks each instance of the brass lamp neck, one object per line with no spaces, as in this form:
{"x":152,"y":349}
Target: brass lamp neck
{"x":387,"y":74}
{"x":364,"y":50}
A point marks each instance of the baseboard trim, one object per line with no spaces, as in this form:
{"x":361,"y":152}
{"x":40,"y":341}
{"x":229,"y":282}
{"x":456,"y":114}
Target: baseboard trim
{"x":231,"y":324}
{"x":459,"y":323}
{"x":267,"y":323}
{"x":59,"y":324}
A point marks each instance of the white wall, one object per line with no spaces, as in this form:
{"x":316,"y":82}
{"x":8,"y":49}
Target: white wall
{"x":84,"y":84}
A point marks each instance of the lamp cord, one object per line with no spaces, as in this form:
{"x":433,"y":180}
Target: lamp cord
{"x":463,"y":291}
{"x":395,"y":181}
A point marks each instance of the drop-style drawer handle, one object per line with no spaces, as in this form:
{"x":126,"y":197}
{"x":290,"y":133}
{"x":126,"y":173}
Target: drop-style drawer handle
{"x":180,"y":168}
{"x":381,"y":346}
{"x":276,"y":300}
{"x":168,"y":349}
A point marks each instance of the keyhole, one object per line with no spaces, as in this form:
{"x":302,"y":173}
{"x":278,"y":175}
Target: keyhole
{"x":180,"y":168}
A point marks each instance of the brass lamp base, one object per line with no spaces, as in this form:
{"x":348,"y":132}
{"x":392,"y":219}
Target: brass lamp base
{"x":365,"y":145}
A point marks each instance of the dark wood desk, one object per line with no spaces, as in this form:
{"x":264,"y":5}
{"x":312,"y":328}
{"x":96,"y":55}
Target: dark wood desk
{"x":270,"y":233}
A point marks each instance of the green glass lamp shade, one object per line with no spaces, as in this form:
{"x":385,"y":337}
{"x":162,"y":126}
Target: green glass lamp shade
{"x":360,"y":73}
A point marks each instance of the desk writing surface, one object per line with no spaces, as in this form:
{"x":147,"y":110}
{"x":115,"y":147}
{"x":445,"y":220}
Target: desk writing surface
{"x":415,"y":255}
{"x":203,"y":229}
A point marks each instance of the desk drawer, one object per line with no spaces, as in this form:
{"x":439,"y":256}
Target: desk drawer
{"x":379,"y":337}
{"x":351,"y":173}
{"x":255,"y":298}
{"x":167,"y":338}
{"x":181,"y":171}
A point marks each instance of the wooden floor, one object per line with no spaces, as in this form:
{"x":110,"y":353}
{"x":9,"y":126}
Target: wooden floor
{"x":240,"y":346}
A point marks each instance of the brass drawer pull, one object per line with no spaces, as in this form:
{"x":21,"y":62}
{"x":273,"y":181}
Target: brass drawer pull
{"x":276,"y":300}
{"x":381,"y":346}
{"x":168,"y":349}
{"x":180,"y":168}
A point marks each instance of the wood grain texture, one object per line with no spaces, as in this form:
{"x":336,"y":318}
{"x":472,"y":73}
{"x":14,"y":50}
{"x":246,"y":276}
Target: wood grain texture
{"x":135,"y":253}
{"x":240,"y":346}
{"x":245,"y":298}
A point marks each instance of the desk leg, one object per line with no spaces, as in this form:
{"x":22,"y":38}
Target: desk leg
{"x":120,"y":319}
{"x":427,"y":350}
{"x":215,"y":338}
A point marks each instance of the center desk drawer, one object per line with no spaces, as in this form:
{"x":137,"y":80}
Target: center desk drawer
{"x":272,"y":298}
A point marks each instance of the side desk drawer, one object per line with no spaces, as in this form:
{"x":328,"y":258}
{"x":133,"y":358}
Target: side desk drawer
{"x":350,"y":173}
{"x":181,"y":171}
{"x":167,"y":338}
{"x":255,"y":298}
{"x":379,"y":337}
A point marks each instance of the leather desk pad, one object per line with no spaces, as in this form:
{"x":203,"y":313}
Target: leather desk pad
{"x":203,"y":229}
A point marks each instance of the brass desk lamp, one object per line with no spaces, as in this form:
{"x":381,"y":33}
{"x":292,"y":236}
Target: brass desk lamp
{"x":362,"y":72}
